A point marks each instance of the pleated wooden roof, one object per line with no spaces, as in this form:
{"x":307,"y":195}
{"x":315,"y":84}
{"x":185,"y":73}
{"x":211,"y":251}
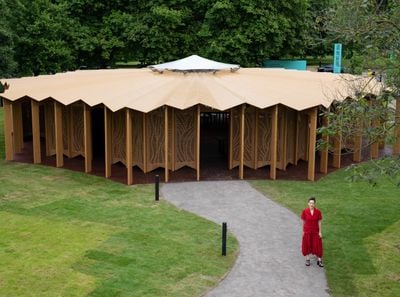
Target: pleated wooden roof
{"x":145,"y":90}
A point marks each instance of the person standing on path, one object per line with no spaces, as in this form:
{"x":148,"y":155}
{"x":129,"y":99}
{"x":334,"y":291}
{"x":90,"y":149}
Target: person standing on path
{"x":312,"y":234}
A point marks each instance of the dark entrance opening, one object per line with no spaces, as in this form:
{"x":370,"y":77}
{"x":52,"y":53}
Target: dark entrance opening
{"x":214,"y":142}
{"x":98,"y":133}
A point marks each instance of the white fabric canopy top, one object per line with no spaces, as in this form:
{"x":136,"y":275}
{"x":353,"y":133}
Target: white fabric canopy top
{"x":144,"y":90}
{"x":194,"y":63}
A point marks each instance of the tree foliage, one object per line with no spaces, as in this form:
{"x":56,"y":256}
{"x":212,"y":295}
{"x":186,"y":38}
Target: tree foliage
{"x":371,"y":29}
{"x":47,"y":36}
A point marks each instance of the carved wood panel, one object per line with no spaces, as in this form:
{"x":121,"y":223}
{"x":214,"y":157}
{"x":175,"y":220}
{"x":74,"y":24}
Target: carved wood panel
{"x":155,"y":139}
{"x":249,"y":136}
{"x":282,"y":137}
{"x":264,"y":137}
{"x":185,"y":138}
{"x":50,"y":129}
{"x":118,"y":136}
{"x":235,"y":137}
{"x":137,"y":140}
{"x":302,"y":136}
{"x":291,"y":118}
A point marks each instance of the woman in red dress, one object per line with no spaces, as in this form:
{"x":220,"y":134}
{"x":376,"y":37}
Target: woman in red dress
{"x":312,"y":236}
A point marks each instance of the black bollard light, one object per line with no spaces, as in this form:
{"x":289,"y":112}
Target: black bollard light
{"x":157,"y":187}
{"x":224,"y":233}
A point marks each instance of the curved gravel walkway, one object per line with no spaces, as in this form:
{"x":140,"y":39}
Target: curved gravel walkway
{"x":269,"y":262}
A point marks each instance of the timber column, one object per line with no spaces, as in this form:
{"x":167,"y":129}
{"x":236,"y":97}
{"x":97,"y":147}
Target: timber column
{"x":8,"y":130}
{"x":274,"y":141}
{"x":312,"y":142}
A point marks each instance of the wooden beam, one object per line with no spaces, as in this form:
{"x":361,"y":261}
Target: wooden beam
{"x":357,"y":150}
{"x":312,"y":142}
{"x":255,"y":154}
{"x":324,"y":152}
{"x":17,"y":127}
{"x":129,"y":146}
{"x":87,"y":131}
{"x":8,"y":129}
{"x":48,"y":115}
{"x":396,"y":147}
{"x":144,"y":143}
{"x":166,"y":142}
{"x":231,"y":139}
{"x":172,"y":140}
{"x":198,"y":143}
{"x":296,"y":147}
{"x":35,"y":132}
{"x":241,"y":150}
{"x":58,"y":134}
{"x":274,"y":141}
{"x":107,"y":142}
{"x":284,"y":140}
{"x":69,"y":131}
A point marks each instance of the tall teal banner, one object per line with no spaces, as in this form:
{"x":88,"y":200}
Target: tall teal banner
{"x":337,"y":58}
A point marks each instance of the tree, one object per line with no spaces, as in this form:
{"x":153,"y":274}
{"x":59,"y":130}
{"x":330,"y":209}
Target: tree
{"x":44,"y":41}
{"x":8,"y":64}
{"x":248,"y":32}
{"x":372,"y":30}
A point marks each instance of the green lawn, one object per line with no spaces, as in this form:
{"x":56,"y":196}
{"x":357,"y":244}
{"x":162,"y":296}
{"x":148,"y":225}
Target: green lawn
{"x":64,"y":233}
{"x":361,"y":227}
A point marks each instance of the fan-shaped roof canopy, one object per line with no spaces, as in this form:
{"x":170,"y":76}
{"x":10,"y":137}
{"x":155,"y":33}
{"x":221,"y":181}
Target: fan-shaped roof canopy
{"x":194,"y":63}
{"x":144,"y":90}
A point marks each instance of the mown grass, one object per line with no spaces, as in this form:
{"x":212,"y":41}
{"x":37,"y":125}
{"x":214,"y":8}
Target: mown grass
{"x":64,"y":233}
{"x":361,"y":227}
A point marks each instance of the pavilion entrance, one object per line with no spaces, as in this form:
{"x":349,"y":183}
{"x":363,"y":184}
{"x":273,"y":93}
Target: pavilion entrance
{"x":214,"y":142}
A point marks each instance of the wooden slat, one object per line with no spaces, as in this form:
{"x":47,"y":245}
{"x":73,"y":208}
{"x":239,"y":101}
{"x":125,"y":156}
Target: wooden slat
{"x":144,"y":143}
{"x":255,"y":137}
{"x":396,"y":147}
{"x":107,"y":141}
{"x":17,"y":127}
{"x":198,"y":143}
{"x":311,"y":144}
{"x":87,"y":130}
{"x":241,"y":150}
{"x":129,"y":146}
{"x":284,"y":140}
{"x":58,"y":134}
{"x":274,"y":141}
{"x":35,"y":132}
{"x":166,"y":142}
{"x":296,"y":147}
{"x":357,"y":149}
{"x":172,"y":140}
{"x":69,"y":130}
{"x":48,"y":122}
{"x":8,"y":129}
{"x":324,"y":152}
{"x":231,"y":139}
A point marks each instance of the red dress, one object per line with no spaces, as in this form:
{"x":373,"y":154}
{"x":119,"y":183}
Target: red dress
{"x":312,"y":243}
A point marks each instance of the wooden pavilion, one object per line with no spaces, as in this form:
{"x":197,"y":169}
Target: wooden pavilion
{"x":152,"y":119}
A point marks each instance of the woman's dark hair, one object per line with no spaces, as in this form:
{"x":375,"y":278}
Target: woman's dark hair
{"x":312,"y":198}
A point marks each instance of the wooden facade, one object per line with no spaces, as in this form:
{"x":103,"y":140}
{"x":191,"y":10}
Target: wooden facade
{"x":167,"y":137}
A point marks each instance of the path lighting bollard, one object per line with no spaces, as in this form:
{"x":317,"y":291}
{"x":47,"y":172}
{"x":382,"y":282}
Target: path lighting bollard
{"x":224,"y":232}
{"x":157,"y":187}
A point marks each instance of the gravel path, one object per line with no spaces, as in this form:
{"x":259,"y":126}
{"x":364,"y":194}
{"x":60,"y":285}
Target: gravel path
{"x":270,"y":261}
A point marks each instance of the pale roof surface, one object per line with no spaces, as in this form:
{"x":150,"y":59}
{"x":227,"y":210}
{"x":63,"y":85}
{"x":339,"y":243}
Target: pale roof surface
{"x":194,"y":63}
{"x":144,"y":90}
